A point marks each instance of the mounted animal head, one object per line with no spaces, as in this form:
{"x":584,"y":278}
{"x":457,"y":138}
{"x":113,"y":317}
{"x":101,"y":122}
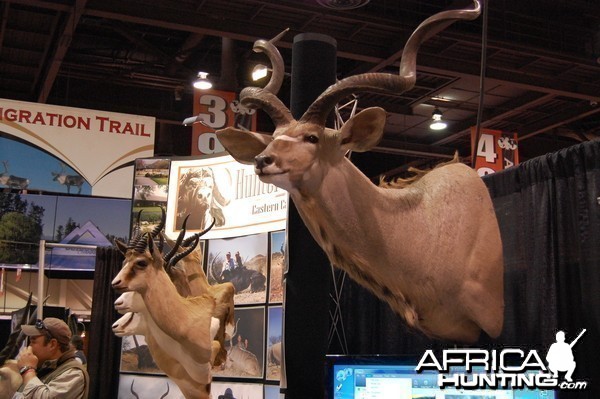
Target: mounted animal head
{"x":142,"y":262}
{"x":298,"y":154}
{"x":142,"y":253}
{"x":131,"y":305}
{"x":130,"y":324}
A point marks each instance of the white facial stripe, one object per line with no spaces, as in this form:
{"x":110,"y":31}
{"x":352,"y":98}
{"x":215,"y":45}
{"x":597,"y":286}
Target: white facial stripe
{"x":287,"y":138}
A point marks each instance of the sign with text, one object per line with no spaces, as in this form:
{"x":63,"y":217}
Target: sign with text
{"x":71,"y":150}
{"x":494,"y":151}
{"x":221,"y":189}
{"x":217,"y":110}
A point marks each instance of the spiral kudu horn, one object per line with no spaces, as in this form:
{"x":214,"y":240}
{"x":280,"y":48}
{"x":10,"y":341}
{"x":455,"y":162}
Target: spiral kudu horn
{"x":385,"y":82}
{"x":266,"y":98}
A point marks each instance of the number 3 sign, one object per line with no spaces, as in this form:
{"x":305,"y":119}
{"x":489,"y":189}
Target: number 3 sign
{"x":494,"y":151}
{"x":217,"y":110}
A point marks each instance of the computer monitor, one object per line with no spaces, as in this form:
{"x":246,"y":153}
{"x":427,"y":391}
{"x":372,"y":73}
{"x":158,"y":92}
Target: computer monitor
{"x":394,"y":377}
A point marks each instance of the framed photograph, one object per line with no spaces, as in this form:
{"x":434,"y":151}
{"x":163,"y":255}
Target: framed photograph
{"x":245,"y":357}
{"x":273,"y":392}
{"x":243,"y":262}
{"x":277,"y":266}
{"x":274,"y":348}
{"x":136,"y":357}
{"x":152,"y":172}
{"x":92,"y":221}
{"x":141,"y":386}
{"x":236,"y":390}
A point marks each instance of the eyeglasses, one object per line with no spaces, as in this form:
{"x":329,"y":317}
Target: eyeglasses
{"x":39,"y":324}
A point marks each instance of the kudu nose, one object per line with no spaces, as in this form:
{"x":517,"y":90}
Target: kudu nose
{"x":262,"y":160}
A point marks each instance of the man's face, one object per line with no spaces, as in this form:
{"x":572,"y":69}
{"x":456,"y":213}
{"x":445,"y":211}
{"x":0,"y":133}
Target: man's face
{"x":42,"y":349}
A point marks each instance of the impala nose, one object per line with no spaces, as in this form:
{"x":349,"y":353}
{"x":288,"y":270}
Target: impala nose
{"x":262,"y":160}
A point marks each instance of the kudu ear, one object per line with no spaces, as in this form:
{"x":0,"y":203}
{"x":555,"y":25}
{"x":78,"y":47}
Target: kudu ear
{"x":364,"y":130}
{"x":243,"y":145}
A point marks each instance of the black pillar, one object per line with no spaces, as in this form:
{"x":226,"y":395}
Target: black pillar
{"x":308,"y":278}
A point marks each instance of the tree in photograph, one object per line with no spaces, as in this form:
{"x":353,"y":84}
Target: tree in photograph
{"x":16,"y":230}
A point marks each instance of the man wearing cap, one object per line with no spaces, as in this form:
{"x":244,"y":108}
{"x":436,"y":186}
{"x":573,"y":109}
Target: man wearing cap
{"x":48,"y":365}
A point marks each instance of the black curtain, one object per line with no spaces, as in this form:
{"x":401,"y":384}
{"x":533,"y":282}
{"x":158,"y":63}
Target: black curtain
{"x":548,"y":209}
{"x":104,"y":347}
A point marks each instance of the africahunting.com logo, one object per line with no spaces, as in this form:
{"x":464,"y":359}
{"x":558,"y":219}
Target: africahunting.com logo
{"x":509,"y":368}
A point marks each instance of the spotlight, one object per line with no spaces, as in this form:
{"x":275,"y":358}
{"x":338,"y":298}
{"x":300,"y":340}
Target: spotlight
{"x":259,"y":71}
{"x":438,"y":123}
{"x":202,"y":83}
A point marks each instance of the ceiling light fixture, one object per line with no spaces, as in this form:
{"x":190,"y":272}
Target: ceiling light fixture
{"x":438,"y":123}
{"x":202,"y":83}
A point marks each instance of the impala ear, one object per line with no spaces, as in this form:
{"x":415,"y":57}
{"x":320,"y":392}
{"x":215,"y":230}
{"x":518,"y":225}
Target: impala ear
{"x":364,"y":130}
{"x":243,"y":145}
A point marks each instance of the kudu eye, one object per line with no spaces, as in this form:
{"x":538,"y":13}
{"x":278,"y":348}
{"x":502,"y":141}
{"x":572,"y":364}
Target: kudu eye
{"x":311,"y":138}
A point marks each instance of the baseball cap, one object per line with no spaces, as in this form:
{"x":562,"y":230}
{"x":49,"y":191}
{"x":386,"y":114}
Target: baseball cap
{"x":52,"y":326}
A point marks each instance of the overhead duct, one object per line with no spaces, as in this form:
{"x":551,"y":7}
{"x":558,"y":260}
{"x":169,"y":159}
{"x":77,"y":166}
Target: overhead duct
{"x":228,"y":79}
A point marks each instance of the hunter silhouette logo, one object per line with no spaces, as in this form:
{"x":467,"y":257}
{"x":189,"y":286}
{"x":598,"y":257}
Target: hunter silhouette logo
{"x":507,"y":368}
{"x":560,"y":356}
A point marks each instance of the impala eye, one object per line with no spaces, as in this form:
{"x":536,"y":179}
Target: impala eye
{"x":142,"y":264}
{"x":311,"y":138}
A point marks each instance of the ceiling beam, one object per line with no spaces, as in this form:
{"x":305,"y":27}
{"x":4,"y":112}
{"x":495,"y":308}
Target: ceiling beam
{"x":5,"y":10}
{"x":504,"y":111}
{"x":64,"y":42}
{"x":544,"y":84}
{"x":555,"y":121}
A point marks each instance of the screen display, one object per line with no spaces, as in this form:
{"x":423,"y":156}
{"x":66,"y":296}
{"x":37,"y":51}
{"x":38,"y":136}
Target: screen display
{"x":396,"y":378}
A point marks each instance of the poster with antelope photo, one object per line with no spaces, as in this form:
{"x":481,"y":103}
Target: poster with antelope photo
{"x":277,"y":266}
{"x":140,"y":386}
{"x":136,"y":357}
{"x":273,"y":392}
{"x":245,"y":356}
{"x":274,"y":348}
{"x":243,"y":262}
{"x":236,"y":390}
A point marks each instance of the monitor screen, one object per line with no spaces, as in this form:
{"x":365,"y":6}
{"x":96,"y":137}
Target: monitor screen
{"x":394,"y":377}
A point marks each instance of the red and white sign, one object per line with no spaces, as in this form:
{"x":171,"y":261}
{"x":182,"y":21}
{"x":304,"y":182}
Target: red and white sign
{"x":494,"y":151}
{"x":217,"y":110}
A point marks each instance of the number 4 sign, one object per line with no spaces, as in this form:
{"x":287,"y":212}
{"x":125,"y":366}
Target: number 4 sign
{"x":494,"y":151}
{"x":217,"y":110}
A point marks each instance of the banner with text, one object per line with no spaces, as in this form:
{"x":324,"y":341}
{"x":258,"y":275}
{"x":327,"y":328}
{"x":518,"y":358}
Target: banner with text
{"x":217,"y":110}
{"x":494,"y":151}
{"x":71,"y":150}
{"x":223,"y":190}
